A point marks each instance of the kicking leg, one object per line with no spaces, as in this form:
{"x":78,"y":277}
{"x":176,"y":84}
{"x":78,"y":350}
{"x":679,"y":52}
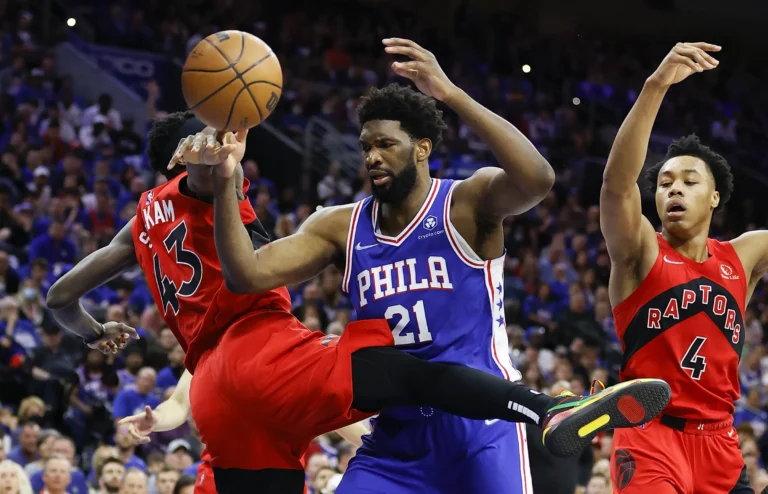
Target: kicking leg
{"x":384,"y":377}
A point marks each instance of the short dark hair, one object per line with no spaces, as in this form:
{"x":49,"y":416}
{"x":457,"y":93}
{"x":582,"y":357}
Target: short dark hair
{"x":417,"y":113}
{"x":690,"y":145}
{"x":184,"y":481}
{"x":111,"y":459}
{"x":162,"y":130}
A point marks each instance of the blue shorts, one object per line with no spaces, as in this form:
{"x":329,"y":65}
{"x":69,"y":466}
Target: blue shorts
{"x":442,"y":454}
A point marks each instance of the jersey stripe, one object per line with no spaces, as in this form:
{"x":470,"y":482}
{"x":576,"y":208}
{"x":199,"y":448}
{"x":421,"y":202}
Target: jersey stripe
{"x":499,"y":344}
{"x":449,"y":230}
{"x":396,"y":241}
{"x":350,"y":245}
{"x":525,"y":470}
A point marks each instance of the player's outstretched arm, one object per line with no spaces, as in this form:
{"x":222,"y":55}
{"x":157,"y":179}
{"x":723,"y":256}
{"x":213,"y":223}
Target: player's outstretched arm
{"x":98,"y":268}
{"x":292,"y":259}
{"x":525,"y":177}
{"x":752,"y":248}
{"x":168,"y":415}
{"x":625,"y":229}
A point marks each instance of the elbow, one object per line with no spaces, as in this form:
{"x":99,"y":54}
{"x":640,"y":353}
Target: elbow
{"x":241,"y":286}
{"x":542,"y":183}
{"x":57,"y":298}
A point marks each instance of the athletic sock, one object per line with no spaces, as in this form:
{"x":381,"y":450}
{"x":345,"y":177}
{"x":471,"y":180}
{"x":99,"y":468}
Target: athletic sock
{"x":475,"y":394}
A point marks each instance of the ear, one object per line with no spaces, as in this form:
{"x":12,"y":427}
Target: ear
{"x":423,"y":149}
{"x":715,"y":199}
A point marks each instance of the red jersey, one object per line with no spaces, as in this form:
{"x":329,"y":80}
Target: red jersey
{"x":683,"y":324}
{"x":173,"y":237}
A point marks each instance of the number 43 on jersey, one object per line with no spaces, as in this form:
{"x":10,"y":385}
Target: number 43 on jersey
{"x":169,"y":292}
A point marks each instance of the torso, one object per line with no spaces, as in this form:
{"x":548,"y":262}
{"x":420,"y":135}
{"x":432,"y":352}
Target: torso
{"x":173,"y":235}
{"x":684,"y":324}
{"x":443,"y":302}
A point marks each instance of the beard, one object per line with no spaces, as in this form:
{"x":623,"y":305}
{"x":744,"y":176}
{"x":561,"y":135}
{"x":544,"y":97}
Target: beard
{"x":399,"y":187}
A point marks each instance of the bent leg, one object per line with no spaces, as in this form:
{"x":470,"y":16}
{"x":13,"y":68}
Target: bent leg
{"x":383,"y":377}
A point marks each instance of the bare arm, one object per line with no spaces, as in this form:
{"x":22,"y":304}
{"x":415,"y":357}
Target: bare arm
{"x":292,"y":259}
{"x":525,"y":177}
{"x":752,"y":249}
{"x":174,"y":411}
{"x":353,"y":433}
{"x":95,"y":270}
{"x":625,"y":228}
{"x":629,"y":236}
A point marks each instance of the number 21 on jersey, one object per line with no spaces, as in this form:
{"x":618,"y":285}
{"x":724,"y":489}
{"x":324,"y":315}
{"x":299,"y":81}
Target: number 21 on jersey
{"x":404,"y":335}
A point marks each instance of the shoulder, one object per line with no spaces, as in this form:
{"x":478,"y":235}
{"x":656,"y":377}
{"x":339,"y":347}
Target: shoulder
{"x":335,"y":217}
{"x":475,"y":186}
{"x":751,"y":248}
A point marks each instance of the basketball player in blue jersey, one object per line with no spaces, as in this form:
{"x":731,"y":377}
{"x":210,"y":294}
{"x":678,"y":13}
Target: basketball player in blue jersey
{"x":428,"y":256}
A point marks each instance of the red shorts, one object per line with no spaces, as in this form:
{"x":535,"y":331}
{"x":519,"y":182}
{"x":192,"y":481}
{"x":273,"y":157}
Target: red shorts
{"x":655,"y":458}
{"x":270,"y":386}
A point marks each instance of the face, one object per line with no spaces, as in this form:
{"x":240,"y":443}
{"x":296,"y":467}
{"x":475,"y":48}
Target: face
{"x":112,"y":476}
{"x":685,"y":196}
{"x":167,"y":340}
{"x":166,"y":481}
{"x":65,"y":449}
{"x":145,"y":382}
{"x":9,"y":479}
{"x":28,"y":438}
{"x":322,"y":478}
{"x":176,"y":356}
{"x":134,"y":483}
{"x":179,"y":460}
{"x":390,"y":157}
{"x":56,"y":475}
{"x":315,"y":463}
{"x":46,"y":447}
{"x":597,"y":485}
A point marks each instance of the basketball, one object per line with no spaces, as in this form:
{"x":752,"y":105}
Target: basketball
{"x":232,"y":80}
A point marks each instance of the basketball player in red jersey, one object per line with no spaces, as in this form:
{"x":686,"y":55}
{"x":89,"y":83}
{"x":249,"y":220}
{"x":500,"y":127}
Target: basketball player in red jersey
{"x":264,"y":385}
{"x":678,"y":298}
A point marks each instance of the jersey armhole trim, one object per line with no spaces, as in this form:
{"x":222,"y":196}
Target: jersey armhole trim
{"x":351,"y":245}
{"x":458,"y":244}
{"x":739,"y":266}
{"x":631,"y":300}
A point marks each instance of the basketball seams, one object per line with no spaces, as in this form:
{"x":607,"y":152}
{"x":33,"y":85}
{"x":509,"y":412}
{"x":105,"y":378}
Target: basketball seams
{"x":217,"y":91}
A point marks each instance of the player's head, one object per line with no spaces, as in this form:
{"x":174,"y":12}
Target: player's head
{"x":400,"y":127}
{"x":164,"y":137}
{"x":690,"y":183}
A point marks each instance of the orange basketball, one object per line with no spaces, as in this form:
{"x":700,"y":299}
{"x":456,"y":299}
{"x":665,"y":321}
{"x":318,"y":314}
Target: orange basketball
{"x":232,"y":80}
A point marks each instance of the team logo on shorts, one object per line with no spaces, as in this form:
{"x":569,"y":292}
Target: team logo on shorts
{"x":430,"y":222}
{"x":625,"y":468}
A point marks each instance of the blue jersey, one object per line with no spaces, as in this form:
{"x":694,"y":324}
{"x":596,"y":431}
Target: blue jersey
{"x":443,"y":302}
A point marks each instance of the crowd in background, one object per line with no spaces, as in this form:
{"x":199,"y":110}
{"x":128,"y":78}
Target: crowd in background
{"x":72,"y":170}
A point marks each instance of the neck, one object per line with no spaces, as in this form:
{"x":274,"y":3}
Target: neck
{"x":694,"y":248}
{"x":395,"y":218}
{"x":125,"y":454}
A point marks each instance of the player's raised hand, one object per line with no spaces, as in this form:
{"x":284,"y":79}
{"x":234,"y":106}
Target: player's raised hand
{"x":140,"y":426}
{"x":209,"y":147}
{"x":422,"y":69}
{"x":231,"y":153}
{"x":684,"y":60}
{"x":114,"y":337}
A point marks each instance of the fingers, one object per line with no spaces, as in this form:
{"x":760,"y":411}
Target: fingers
{"x":413,"y":53}
{"x":241,"y":135}
{"x":129,"y":331}
{"x":697,"y":54}
{"x":197,"y":142}
{"x":406,"y":69}
{"x":402,"y":42}
{"x":223,"y":153}
{"x":148,"y":412}
{"x":706,"y":46}
{"x":210,"y":142}
{"x":180,"y":149}
{"x":136,"y":435}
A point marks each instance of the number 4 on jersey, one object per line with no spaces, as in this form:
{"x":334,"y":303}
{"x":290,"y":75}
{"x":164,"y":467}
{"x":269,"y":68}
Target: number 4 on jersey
{"x":694,"y":362}
{"x":169,"y":294}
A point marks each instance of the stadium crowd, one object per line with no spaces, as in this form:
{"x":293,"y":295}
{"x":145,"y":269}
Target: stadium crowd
{"x":71,"y":173}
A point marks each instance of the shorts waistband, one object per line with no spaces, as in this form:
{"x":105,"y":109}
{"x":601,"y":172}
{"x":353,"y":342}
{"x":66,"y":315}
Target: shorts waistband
{"x":695,"y":427}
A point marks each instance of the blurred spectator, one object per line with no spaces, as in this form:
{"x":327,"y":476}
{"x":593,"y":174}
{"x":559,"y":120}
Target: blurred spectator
{"x":12,"y":479}
{"x":166,"y":480}
{"x":110,"y":477}
{"x":185,"y":485}
{"x":26,"y":451}
{"x":132,"y":401}
{"x":169,"y":376}
{"x":134,"y":482}
{"x":62,"y":448}
{"x":44,"y":451}
{"x":56,"y":476}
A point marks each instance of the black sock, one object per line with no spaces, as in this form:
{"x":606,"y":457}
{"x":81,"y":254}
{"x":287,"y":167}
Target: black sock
{"x":385,"y":377}
{"x":478,"y":395}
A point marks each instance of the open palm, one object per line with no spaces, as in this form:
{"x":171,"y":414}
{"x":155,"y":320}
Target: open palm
{"x":683,"y":60}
